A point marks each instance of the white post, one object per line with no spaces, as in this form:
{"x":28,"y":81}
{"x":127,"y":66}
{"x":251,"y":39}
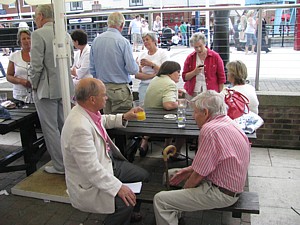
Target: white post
{"x":161,"y":15}
{"x":207,"y":23}
{"x":62,"y":46}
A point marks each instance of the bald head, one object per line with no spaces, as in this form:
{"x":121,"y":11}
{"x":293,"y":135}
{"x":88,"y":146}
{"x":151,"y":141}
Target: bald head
{"x":88,"y":87}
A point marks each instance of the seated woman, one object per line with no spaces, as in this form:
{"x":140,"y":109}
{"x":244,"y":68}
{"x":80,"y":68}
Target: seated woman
{"x":81,"y":65}
{"x":162,"y":93}
{"x":17,"y":70}
{"x":149,"y":62}
{"x":237,"y":76}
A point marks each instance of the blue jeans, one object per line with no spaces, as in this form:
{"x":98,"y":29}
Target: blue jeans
{"x":184,"y":39}
{"x":249,"y":38}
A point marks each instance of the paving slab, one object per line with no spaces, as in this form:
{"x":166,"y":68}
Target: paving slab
{"x":274,"y":172}
{"x":260,"y":156}
{"x":275,"y":216}
{"x":285,"y":158}
{"x":275,"y":192}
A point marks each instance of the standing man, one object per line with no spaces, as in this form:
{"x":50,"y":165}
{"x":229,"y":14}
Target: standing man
{"x":218,"y":173}
{"x":45,"y":79}
{"x":135,"y":27}
{"x":183,"y":30}
{"x":95,"y":167}
{"x":112,"y":62}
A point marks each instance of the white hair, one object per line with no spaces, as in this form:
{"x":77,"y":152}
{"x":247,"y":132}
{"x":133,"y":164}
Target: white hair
{"x":212,"y":101}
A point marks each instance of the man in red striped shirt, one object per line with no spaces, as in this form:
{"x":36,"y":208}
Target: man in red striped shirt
{"x":218,"y":173}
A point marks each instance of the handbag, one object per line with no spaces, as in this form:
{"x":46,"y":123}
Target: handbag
{"x":242,"y":35}
{"x":237,"y":103}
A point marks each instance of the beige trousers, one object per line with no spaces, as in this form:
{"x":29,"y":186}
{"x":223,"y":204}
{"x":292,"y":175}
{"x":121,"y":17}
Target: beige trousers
{"x":119,"y":98}
{"x":168,"y":205}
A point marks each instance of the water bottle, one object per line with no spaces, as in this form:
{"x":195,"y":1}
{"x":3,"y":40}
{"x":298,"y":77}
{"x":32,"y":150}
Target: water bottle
{"x":181,"y":117}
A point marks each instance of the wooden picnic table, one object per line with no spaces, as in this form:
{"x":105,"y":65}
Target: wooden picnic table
{"x":26,"y":121}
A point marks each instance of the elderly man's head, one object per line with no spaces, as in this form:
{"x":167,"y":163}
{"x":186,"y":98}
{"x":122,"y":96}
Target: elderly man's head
{"x":208,"y":105}
{"x":116,"y":20}
{"x":43,"y":14}
{"x":90,"y":93}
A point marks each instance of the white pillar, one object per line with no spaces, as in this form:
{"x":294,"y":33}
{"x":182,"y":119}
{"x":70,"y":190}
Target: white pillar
{"x":62,"y":52}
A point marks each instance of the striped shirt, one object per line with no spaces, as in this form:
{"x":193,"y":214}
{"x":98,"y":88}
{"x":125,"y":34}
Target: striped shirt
{"x":223,"y":154}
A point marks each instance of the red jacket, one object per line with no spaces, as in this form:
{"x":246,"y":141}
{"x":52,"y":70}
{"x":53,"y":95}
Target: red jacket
{"x":213,"y":71}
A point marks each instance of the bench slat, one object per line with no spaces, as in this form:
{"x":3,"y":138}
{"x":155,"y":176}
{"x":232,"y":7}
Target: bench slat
{"x":248,"y":201}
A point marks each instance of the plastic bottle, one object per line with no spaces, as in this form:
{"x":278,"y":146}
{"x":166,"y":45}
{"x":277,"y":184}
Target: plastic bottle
{"x":181,"y":117}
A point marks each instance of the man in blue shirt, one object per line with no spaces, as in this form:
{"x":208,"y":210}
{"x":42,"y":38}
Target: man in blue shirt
{"x":112,"y":62}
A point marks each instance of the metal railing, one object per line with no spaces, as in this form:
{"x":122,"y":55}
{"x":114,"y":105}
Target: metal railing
{"x":285,"y":35}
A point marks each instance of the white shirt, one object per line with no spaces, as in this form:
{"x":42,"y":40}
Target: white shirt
{"x":200,"y":85}
{"x":249,"y":91}
{"x":157,"y":25}
{"x":21,"y":71}
{"x":136,"y":26}
{"x":82,"y":64}
{"x":175,"y":39}
{"x":158,"y":58}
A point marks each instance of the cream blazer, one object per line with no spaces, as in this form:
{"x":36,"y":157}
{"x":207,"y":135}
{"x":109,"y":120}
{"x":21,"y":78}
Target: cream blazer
{"x":90,"y":181}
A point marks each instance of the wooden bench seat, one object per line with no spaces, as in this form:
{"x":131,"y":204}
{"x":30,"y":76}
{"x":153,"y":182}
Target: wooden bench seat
{"x":248,"y":201}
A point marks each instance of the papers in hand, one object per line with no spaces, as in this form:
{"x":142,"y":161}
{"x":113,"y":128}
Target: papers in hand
{"x":135,"y":187}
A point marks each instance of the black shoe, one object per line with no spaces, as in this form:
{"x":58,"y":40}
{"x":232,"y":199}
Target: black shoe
{"x":143,"y":152}
{"x":268,"y":50}
{"x":178,"y":157}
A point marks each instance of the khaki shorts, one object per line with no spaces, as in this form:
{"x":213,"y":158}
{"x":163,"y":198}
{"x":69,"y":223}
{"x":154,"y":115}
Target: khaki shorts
{"x":136,"y":38}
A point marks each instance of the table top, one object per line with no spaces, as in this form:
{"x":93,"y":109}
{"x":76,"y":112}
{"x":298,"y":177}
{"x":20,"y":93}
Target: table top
{"x":19,"y":116}
{"x":156,"y":125}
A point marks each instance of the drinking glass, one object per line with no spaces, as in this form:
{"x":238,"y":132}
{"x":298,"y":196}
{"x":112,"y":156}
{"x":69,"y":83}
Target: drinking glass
{"x":140,"y":115}
{"x":3,"y":97}
{"x":25,"y":99}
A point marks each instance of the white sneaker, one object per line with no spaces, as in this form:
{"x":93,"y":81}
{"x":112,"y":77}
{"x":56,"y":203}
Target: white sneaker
{"x":51,"y":169}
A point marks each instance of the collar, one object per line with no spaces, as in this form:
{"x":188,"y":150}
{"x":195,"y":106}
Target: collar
{"x":96,"y":117}
{"x":115,"y":30}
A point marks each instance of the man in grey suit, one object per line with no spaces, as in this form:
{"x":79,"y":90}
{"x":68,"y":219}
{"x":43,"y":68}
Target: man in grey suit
{"x":45,"y":79}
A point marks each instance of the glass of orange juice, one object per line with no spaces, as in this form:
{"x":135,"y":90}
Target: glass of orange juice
{"x":140,"y":116}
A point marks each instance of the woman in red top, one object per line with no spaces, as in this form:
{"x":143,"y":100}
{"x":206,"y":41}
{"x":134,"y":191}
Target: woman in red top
{"x":203,"y":69}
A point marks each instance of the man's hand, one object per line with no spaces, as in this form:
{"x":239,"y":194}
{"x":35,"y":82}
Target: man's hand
{"x":181,"y":175}
{"x":73,"y":71}
{"x":126,"y":194}
{"x":193,"y":180}
{"x":131,"y":114}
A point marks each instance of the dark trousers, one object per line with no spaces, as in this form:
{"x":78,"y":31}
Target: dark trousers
{"x":126,"y":172}
{"x":2,"y":70}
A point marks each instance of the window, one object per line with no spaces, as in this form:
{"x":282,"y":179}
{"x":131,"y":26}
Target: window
{"x":12,"y":5}
{"x":76,"y":6}
{"x":25,"y":4}
{"x":135,"y":2}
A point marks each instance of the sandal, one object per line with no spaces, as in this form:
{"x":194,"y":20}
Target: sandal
{"x":136,"y":217}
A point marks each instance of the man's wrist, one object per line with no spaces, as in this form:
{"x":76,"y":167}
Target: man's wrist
{"x":123,"y":118}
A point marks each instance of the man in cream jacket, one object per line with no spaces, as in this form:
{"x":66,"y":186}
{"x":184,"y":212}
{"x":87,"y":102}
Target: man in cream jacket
{"x":94,"y":167}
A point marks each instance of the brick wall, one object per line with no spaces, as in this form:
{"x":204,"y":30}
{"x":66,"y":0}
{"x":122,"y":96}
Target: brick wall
{"x":281,"y":114}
